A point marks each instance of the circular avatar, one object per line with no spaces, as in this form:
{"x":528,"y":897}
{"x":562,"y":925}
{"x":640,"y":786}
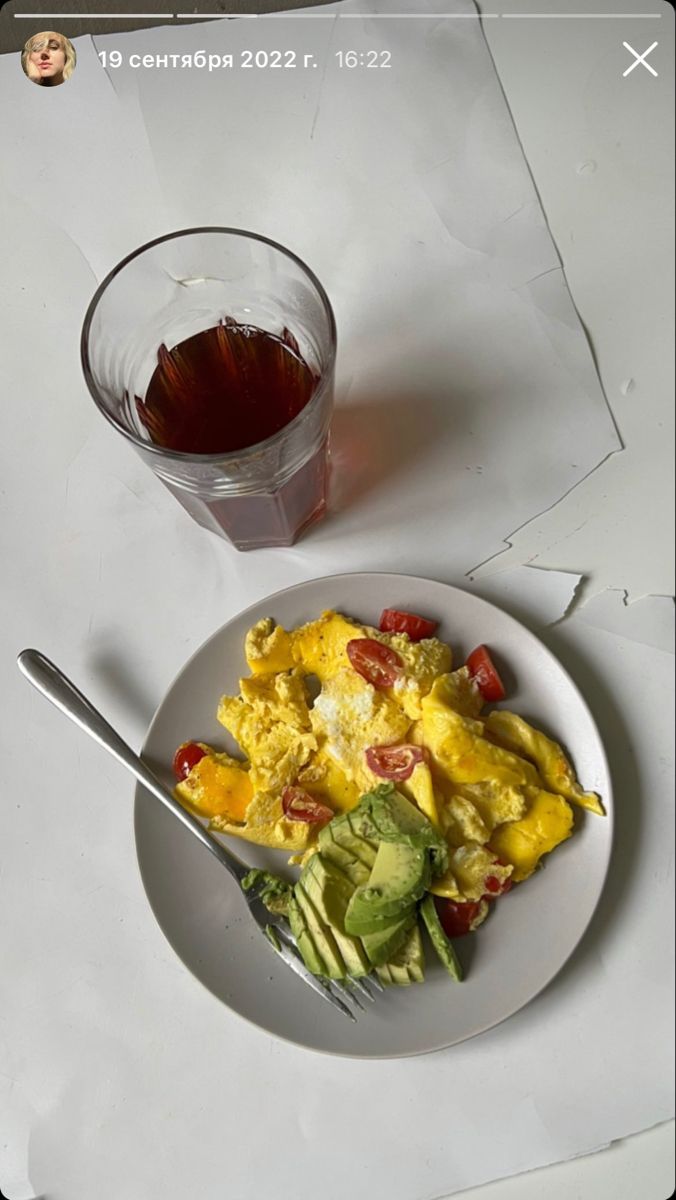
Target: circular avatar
{"x":48,"y":59}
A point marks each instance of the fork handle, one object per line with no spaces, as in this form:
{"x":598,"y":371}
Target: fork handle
{"x":53,"y":684}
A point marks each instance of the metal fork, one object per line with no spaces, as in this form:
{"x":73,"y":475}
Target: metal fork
{"x":53,"y":684}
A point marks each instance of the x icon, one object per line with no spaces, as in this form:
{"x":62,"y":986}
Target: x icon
{"x":640,"y":58}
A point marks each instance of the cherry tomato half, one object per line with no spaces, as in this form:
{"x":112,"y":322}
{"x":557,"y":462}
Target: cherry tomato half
{"x":482,"y":668}
{"x":394,"y":621}
{"x":298,"y":805}
{"x":394,"y":762}
{"x":185,"y":758}
{"x":459,"y":917}
{"x":375,"y":662}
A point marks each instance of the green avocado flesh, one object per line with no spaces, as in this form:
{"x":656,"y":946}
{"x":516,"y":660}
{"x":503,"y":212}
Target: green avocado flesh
{"x":407,"y":965}
{"x":382,"y":944}
{"x":400,"y":876}
{"x":342,"y":845}
{"x":321,"y":934}
{"x":304,"y":940}
{"x":442,"y":944}
{"x":329,"y":890}
{"x":395,"y":819}
{"x":355,"y":907}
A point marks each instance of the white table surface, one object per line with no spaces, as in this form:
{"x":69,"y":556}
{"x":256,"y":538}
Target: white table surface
{"x":600,"y":156}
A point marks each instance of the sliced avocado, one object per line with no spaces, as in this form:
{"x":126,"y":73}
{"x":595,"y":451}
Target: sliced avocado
{"x":346,"y":862}
{"x":384,"y":974}
{"x":353,"y":854}
{"x":361,"y":824}
{"x":304,"y":940}
{"x":347,"y":834}
{"x":321,"y":935}
{"x":438,"y":938}
{"x":354,"y":955}
{"x":363,"y":923}
{"x":396,"y":819}
{"x":383,"y":943}
{"x":400,"y":876}
{"x":330,"y":890}
{"x":407,"y":965}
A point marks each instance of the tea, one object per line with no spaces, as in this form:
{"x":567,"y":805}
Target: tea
{"x":224,"y":389}
{"x":233,"y":420}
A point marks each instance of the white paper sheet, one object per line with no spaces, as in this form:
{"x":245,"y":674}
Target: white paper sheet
{"x":613,"y":156}
{"x":78,"y":156}
{"x":464,"y":378}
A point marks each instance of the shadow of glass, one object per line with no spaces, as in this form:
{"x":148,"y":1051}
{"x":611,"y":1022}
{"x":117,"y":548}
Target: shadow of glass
{"x":375,"y":439}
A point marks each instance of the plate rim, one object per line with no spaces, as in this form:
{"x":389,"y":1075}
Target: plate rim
{"x":608,"y":801}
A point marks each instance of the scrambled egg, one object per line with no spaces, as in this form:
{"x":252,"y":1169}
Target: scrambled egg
{"x":499,"y":790}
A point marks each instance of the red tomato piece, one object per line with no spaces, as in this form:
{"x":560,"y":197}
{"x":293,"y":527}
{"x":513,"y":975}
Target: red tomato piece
{"x":375,"y":662}
{"x":394,"y":621}
{"x":482,"y":668}
{"x":394,"y":762}
{"x":496,"y":887}
{"x":459,"y":917}
{"x":298,"y":805}
{"x":185,"y":758}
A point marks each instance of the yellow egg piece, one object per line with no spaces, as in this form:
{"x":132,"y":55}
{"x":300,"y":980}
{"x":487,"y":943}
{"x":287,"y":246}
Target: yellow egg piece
{"x":462,"y":754}
{"x":277,"y":749}
{"x":420,"y":789}
{"x":217,"y":785}
{"x":547,"y":823}
{"x":348,"y":716}
{"x":515,"y":734}
{"x":472,"y":865}
{"x":266,"y":825}
{"x":324,"y":779}
{"x":461,"y":821}
{"x":267,"y":648}
{"x":422,"y":663}
{"x":277,"y":697}
{"x":320,"y":647}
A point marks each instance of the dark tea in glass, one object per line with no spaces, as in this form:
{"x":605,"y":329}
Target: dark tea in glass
{"x":213,"y":351}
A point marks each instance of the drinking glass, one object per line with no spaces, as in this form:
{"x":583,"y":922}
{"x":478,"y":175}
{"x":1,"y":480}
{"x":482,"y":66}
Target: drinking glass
{"x":182,"y":284}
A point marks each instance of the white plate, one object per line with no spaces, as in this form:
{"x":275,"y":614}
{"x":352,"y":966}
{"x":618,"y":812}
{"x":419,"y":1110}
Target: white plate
{"x":525,"y":941}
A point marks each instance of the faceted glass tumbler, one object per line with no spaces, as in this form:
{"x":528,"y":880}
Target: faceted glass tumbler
{"x":180,"y":285}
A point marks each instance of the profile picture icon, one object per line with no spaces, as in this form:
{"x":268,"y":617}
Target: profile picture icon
{"x":48,"y":59}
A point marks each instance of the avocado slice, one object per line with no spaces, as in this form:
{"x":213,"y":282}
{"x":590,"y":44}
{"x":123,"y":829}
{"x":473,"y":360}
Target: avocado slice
{"x":347,"y":834}
{"x":304,"y":940}
{"x":329,"y":891}
{"x":383,"y":943}
{"x":364,"y":922}
{"x":321,"y":935}
{"x":400,"y":876}
{"x":395,"y":819}
{"x":407,"y":965}
{"x":345,"y":861}
{"x":438,"y":938}
{"x":349,"y":851}
{"x":361,"y":824}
